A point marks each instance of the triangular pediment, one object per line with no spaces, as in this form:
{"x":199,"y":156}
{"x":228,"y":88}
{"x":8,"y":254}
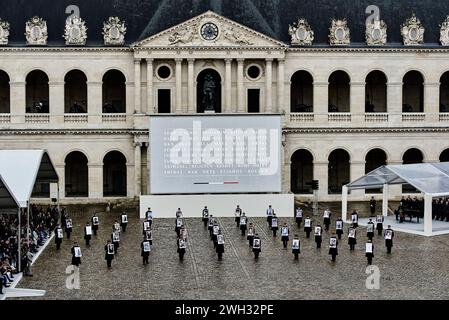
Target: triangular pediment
{"x":209,"y":30}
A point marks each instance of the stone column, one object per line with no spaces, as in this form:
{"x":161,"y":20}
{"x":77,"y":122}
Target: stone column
{"x":268,"y":85}
{"x":357,"y":102}
{"x":240,"y":88}
{"x":394,"y":103}
{"x":130,"y":193}
{"x":191,"y":86}
{"x":281,"y":85}
{"x":320,"y":173}
{"x":432,"y":102}
{"x":228,"y":86}
{"x":137,"y":169}
{"x":137,"y":87}
{"x":17,"y":102}
{"x":95,"y":171}
{"x":150,"y":89}
{"x":56,"y":102}
{"x":320,"y":101}
{"x":94,"y":101}
{"x":178,"y":108}
{"x":60,"y":170}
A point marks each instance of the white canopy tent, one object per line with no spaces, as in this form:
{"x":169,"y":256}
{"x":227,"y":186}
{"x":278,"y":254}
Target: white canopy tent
{"x":8,"y":202}
{"x":432,"y":179}
{"x":21,"y":170}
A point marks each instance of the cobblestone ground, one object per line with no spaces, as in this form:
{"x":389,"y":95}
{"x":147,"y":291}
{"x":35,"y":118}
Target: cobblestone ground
{"x":417,"y":269}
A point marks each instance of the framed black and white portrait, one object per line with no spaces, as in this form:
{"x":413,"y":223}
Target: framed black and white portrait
{"x":307,"y":223}
{"x":369,"y":248}
{"x":333,"y":242}
{"x":251,"y":231}
{"x":116,"y":237}
{"x":351,"y":233}
{"x":256,"y":243}
{"x":339,"y":225}
{"x":89,"y":230}
{"x":68,"y":223}
{"x":124,"y":218}
{"x":77,"y":252}
{"x":146,"y":225}
{"x":298,"y":213}
{"x":216,"y":229}
{"x":178,"y":223}
{"x":318,"y":231}
{"x":242,"y":220}
{"x":284,"y":231}
{"x":95,"y":221}
{"x":182,"y":244}
{"x":146,"y":246}
{"x":274,"y":222}
{"x":388,"y":234}
{"x":220,"y":239}
{"x":110,"y":248}
{"x":326,"y":214}
{"x":379,"y":219}
{"x":60,"y":234}
{"x":370,"y":227}
{"x":295,"y":244}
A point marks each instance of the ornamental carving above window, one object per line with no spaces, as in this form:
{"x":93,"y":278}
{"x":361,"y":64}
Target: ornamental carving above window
{"x":339,"y":33}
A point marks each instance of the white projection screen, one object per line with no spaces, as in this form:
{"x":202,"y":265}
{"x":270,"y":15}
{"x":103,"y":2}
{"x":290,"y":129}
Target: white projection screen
{"x":215,"y":154}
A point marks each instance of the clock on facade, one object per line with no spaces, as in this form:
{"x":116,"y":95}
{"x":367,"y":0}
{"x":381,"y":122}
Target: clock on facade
{"x":209,"y":31}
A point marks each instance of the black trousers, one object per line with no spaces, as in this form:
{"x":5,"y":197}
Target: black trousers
{"x":351,"y":246}
{"x":256,"y":254}
{"x":181,"y":256}
{"x":307,"y":234}
{"x":109,"y":262}
{"x":389,"y":249}
{"x":274,"y":232}
{"x":285,"y":242}
{"x":58,"y":245}
{"x":145,"y":260}
{"x":124,"y":228}
{"x":296,"y":255}
{"x":243,"y":232}
{"x":370,"y":260}
{"x":333,"y":257}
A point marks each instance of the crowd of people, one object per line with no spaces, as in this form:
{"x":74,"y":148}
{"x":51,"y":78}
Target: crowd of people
{"x":410,"y":208}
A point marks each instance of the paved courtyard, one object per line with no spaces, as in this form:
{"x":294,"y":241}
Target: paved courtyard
{"x":417,"y":269}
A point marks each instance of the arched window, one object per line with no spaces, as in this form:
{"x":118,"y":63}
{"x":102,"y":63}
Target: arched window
{"x":301,"y":172}
{"x":374,"y":159}
{"x":444,"y":92}
{"x":301,"y":92}
{"x":114,"y":175}
{"x":444,"y":156}
{"x":114,"y":92}
{"x":37,"y":92}
{"x":411,"y":156}
{"x":413,"y":92}
{"x":76,"y":175}
{"x":75,"y":92}
{"x":5,"y":96}
{"x":339,"y":91}
{"x":208,"y":92}
{"x":338,"y":170}
{"x":376,"y":92}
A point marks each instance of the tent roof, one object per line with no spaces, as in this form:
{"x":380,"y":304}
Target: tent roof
{"x":22,"y":169}
{"x":7,"y":200}
{"x":429,"y":178}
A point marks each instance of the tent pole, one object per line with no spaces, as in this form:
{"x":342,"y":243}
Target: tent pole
{"x":344,"y":203}
{"x":28,"y":221}
{"x":428,"y":215}
{"x":19,"y":244}
{"x":385,"y":192}
{"x":59,"y":211}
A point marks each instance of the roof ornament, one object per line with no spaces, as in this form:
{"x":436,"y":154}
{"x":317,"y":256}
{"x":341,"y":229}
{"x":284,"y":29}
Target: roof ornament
{"x":36,"y":31}
{"x":75,"y":31}
{"x":444,"y":32}
{"x":114,"y":31}
{"x":339,"y":33}
{"x":301,"y":33}
{"x":376,"y":33}
{"x":412,"y":31}
{"x":4,"y":32}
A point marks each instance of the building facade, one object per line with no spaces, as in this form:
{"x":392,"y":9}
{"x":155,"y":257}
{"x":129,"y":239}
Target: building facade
{"x":347,"y":109}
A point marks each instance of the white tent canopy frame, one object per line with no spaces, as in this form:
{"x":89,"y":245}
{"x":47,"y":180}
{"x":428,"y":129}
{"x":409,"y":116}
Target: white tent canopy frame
{"x":20,"y":171}
{"x":432,"y":179}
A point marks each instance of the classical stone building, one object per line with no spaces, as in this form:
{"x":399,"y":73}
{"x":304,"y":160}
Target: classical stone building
{"x":353,"y":96}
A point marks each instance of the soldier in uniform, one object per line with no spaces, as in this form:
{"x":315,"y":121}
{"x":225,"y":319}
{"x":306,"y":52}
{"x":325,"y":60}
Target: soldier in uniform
{"x":379,"y":224}
{"x":296,"y":246}
{"x":355,"y":218}
{"x":243,"y":222}
{"x":251,"y":233}
{"x":370,"y":229}
{"x":76,"y":254}
{"x":389,"y":235}
{"x":109,"y":249}
{"x":88,"y":233}
{"x":333,"y":244}
{"x":145,"y":245}
{"x":205,"y":214}
{"x":182,"y":246}
{"x":95,"y":223}
{"x":257,"y":246}
{"x":372,"y":206}
{"x":220,"y":245}
{"x":369,"y":251}
{"x":284,"y":235}
{"x":298,"y":216}
{"x":326,"y":219}
{"x":124,"y":221}
{"x":339,"y":227}
{"x":352,"y":237}
{"x":59,"y":234}
{"x":237,"y":213}
{"x":270,"y":213}
{"x":318,"y":236}
{"x":308,"y":226}
{"x":68,"y":227}
{"x":274,"y":224}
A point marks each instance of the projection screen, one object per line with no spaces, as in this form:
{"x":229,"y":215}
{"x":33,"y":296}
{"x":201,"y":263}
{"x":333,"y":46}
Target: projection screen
{"x":215,"y":154}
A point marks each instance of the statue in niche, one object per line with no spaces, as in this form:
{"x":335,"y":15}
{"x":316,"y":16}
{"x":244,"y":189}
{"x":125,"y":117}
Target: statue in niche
{"x":209,"y":93}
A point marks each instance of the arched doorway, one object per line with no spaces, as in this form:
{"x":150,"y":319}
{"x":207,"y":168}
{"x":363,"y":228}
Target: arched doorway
{"x":374,"y":159}
{"x":37,"y":92}
{"x":208,"y":91}
{"x":411,"y":156}
{"x":413,"y":92}
{"x":444,"y":92}
{"x":114,"y":175}
{"x":339,"y":89}
{"x":75,"y":92}
{"x":301,"y":92}
{"x":114,"y":92}
{"x":376,"y":92}
{"x":338,"y":170}
{"x":301,"y":170}
{"x":444,"y":156}
{"x":76,"y":175}
{"x":5,"y":96}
